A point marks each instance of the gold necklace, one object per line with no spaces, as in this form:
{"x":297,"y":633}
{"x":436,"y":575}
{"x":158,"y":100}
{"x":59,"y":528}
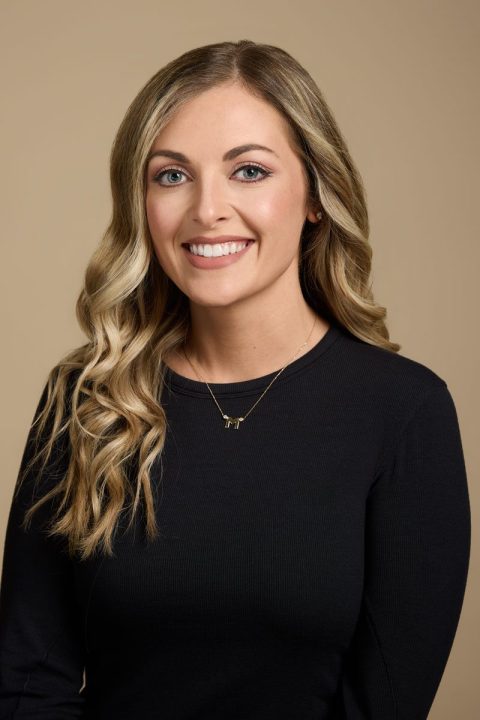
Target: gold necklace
{"x":235,"y":421}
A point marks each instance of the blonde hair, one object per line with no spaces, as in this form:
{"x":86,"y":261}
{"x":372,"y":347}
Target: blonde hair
{"x":102,"y":401}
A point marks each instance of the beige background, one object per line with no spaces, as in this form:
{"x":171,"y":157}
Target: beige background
{"x":402,"y":81}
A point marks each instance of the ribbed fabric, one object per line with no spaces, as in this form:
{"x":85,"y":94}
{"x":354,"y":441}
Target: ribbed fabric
{"x":311,"y":564}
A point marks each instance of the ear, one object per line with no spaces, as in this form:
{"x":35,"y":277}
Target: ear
{"x":312,"y":215}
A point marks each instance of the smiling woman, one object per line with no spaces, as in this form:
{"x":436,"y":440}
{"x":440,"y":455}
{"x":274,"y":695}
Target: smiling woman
{"x":217,"y":196}
{"x":298,"y":530}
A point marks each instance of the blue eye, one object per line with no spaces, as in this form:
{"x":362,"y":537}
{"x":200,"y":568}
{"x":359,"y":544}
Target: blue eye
{"x":256,"y":168}
{"x":176,"y":171}
{"x":165,"y":172}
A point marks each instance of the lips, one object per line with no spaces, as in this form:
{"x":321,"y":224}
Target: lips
{"x":201,"y":262}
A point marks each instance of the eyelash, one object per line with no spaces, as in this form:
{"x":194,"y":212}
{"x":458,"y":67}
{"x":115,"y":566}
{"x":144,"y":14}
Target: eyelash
{"x":266,"y":173}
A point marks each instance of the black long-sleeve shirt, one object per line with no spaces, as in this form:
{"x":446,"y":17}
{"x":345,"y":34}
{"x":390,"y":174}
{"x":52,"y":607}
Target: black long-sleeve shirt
{"x":311,"y":564}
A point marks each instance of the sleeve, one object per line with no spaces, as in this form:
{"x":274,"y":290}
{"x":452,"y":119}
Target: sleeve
{"x":41,"y":649}
{"x":417,"y":549}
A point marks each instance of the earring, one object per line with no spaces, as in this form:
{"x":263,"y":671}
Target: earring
{"x":319,"y":215}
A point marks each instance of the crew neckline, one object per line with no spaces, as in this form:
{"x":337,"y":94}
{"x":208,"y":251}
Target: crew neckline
{"x":187,"y":386}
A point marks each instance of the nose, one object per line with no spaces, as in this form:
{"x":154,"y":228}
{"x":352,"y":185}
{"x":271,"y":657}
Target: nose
{"x":210,"y":201}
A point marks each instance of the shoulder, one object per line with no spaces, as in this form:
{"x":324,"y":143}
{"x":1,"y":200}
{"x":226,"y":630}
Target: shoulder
{"x":390,"y":392}
{"x":383,"y":389}
{"x":390,"y":373}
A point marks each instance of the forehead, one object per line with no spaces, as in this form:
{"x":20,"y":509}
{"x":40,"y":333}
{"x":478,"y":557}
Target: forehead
{"x":227,"y":114}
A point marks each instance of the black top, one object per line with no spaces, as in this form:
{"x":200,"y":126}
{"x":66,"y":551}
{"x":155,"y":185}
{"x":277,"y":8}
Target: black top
{"x":311,"y":563}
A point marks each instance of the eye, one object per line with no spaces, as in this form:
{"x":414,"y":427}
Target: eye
{"x":170,"y":171}
{"x":256,"y":168}
{"x":176,"y":171}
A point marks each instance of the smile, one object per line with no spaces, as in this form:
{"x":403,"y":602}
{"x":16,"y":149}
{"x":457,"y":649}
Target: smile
{"x":209,"y":250}
{"x":210,"y":261}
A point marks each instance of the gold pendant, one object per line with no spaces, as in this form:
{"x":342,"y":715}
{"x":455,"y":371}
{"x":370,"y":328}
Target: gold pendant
{"x":232,"y":421}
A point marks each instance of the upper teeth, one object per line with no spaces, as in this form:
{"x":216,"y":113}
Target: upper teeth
{"x":218,"y":249}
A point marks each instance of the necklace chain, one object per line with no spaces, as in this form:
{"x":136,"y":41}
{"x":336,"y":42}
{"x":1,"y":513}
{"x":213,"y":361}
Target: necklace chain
{"x":235,"y":421}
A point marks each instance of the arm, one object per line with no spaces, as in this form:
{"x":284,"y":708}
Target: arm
{"x":41,"y":647}
{"x":417,"y":547}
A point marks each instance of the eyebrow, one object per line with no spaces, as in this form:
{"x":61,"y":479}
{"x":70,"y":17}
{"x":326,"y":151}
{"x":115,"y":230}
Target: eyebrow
{"x":229,"y":155}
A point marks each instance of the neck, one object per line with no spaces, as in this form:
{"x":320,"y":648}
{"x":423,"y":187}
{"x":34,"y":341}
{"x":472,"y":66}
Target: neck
{"x":221,"y":349}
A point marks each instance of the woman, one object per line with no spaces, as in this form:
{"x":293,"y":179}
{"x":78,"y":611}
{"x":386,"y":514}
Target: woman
{"x":298,"y":532}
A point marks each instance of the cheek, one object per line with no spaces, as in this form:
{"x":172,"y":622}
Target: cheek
{"x":283,"y":207}
{"x":159,"y":227}
{"x":156,"y":218}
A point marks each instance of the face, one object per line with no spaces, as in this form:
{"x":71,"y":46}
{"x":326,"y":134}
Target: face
{"x":258,"y":195}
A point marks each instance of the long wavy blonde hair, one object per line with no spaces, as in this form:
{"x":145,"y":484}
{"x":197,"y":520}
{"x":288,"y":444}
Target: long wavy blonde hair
{"x":101,"y":406}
